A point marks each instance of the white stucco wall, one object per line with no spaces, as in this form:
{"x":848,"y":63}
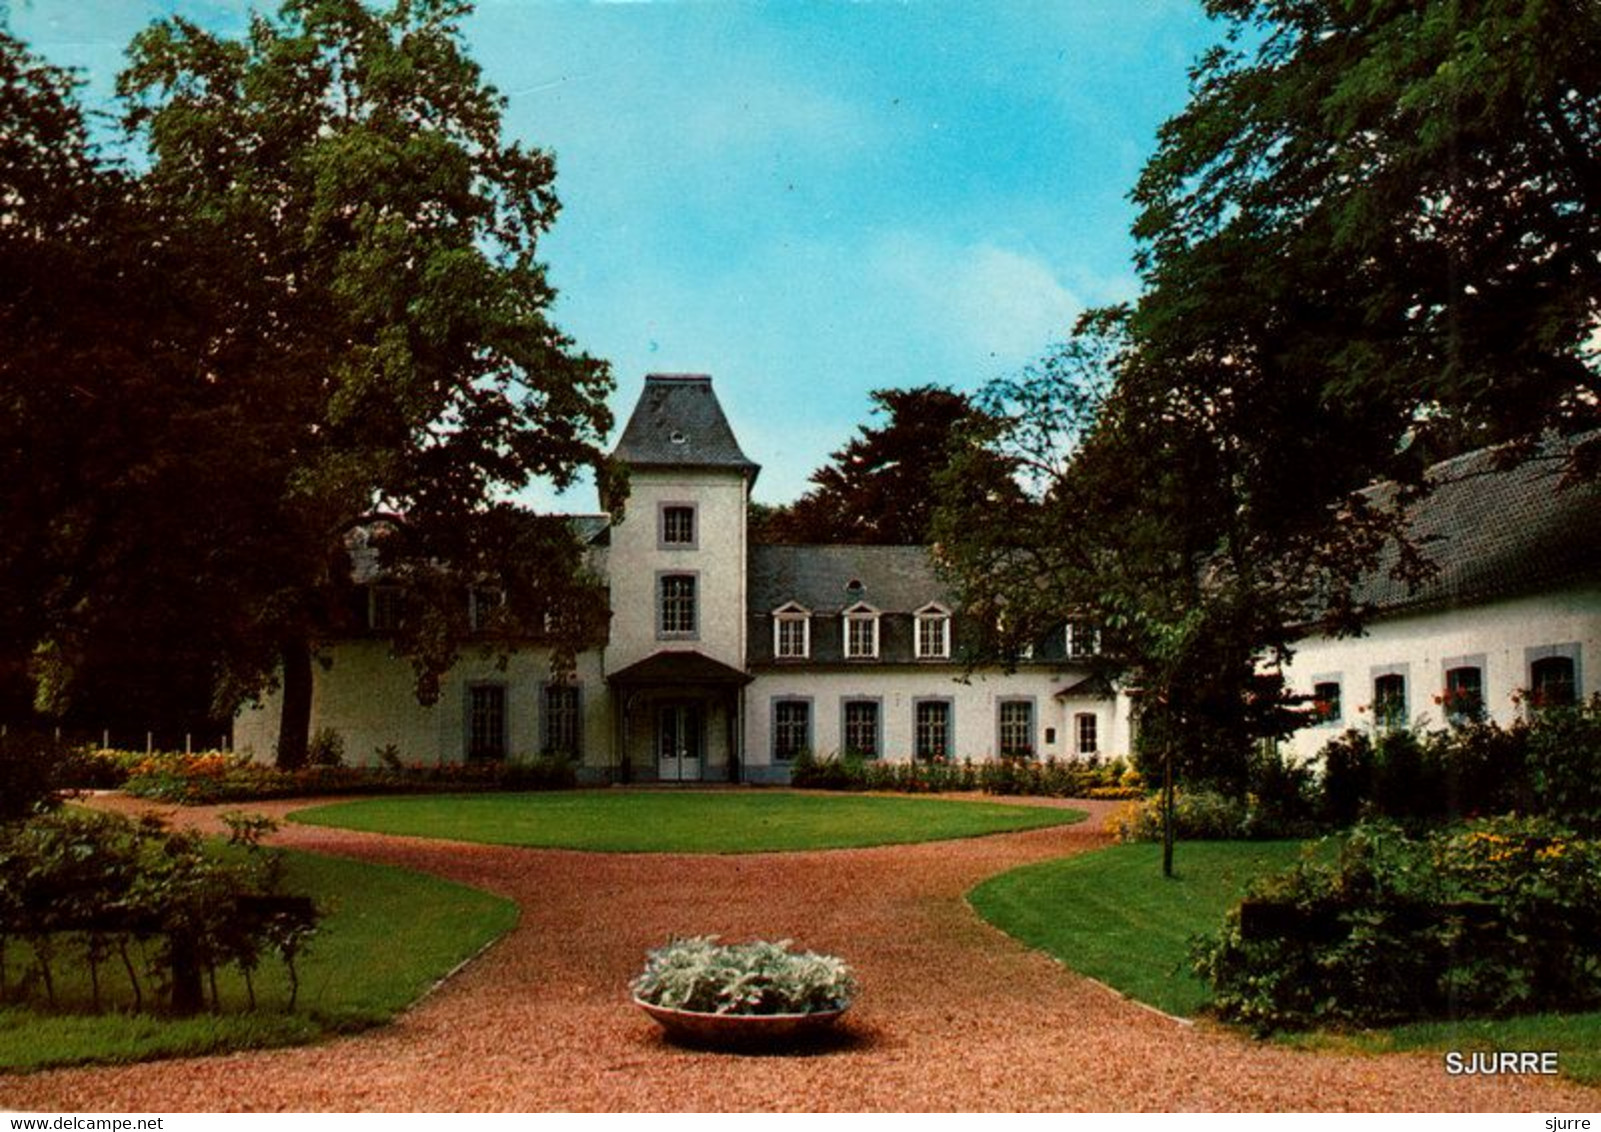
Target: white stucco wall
{"x":975,"y":710}
{"x":637,"y":558}
{"x":1501,"y":637}
{"x":368,"y":696}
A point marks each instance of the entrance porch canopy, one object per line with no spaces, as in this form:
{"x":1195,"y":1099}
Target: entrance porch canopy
{"x":680,"y":675}
{"x":678,"y":668}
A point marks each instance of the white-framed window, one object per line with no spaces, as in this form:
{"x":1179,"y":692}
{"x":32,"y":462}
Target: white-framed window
{"x":677,"y":526}
{"x":861,"y":728}
{"x":482,"y":602}
{"x":1389,"y":700}
{"x":792,"y":632}
{"x":1086,"y":733}
{"x":861,"y":632}
{"x":486,"y":722}
{"x":931,"y":729}
{"x":1015,"y":729}
{"x":1327,"y":710}
{"x":1463,"y":698}
{"x":562,"y":719}
{"x":792,"y":728}
{"x":1553,"y":682}
{"x":1082,"y":639}
{"x":933,"y":633}
{"x":676,"y":605}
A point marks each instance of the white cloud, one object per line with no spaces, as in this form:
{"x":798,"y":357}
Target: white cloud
{"x":994,"y":306}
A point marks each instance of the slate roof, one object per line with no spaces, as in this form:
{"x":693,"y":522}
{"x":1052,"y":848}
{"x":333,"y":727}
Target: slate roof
{"x":679,"y":424}
{"x":894,"y":579}
{"x":1495,"y":531}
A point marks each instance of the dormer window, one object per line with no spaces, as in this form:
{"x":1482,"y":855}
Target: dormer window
{"x":792,"y":632}
{"x":933,"y":633}
{"x":861,"y":632}
{"x":1083,"y":639}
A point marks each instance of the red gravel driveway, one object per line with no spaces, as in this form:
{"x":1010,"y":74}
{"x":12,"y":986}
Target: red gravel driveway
{"x":953,"y":1014}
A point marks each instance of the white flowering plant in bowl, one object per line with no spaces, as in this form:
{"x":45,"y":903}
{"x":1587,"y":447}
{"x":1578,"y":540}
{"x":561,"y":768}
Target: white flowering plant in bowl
{"x":699,"y":975}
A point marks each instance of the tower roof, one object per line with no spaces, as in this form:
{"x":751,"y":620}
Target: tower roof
{"x":679,"y":424}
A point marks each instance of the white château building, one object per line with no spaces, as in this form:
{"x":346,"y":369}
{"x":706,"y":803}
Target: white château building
{"x":1510,"y":618}
{"x":724,"y":659}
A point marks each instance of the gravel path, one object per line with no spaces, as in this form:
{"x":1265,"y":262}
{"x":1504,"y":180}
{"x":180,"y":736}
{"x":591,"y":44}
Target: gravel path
{"x":953,"y":1016}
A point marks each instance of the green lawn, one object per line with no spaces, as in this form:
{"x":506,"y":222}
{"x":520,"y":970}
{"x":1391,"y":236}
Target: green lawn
{"x":1112,"y":916}
{"x":663,"y":821}
{"x":389,"y":935}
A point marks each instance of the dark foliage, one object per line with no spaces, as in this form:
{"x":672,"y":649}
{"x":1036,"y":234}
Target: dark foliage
{"x":1400,"y":930}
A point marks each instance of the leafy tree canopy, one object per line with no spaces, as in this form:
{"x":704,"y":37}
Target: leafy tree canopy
{"x":1383,"y":217}
{"x":1371,"y":239}
{"x":347,"y":245}
{"x":878,"y":488}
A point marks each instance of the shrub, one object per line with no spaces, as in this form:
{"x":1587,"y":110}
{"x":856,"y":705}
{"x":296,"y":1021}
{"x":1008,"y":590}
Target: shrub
{"x":1199,"y":815}
{"x":85,"y":886}
{"x":1400,"y":928}
{"x":760,"y":977}
{"x":32,"y":774}
{"x":1564,"y":751}
{"x":1281,"y":798}
{"x":326,"y":748}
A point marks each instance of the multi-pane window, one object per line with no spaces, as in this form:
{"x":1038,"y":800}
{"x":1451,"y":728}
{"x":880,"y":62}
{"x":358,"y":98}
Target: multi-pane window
{"x":1083,"y":639}
{"x":1326,"y":706}
{"x":676,"y":604}
{"x":792,"y":634}
{"x":1553,"y":682}
{"x":861,"y":728}
{"x":486,"y":721}
{"x":792,"y":728}
{"x":561,"y":719}
{"x":933,"y":635}
{"x":1464,"y":694}
{"x":931,"y":727}
{"x":678,"y":525}
{"x":861,"y":634}
{"x":1389,"y":700}
{"x":482,"y":601}
{"x":1016,"y":727}
{"x":1087,"y":733}
{"x":386,"y":605}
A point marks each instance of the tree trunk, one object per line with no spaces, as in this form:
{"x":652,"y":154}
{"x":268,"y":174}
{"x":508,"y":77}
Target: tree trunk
{"x":294,"y":719}
{"x":1167,"y":809}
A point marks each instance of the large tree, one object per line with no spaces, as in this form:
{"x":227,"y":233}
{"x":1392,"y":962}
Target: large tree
{"x":1123,"y":525}
{"x":387,"y":319}
{"x":1379,"y":223}
{"x":878,"y":488}
{"x":348,"y":245}
{"x":1372,"y":238}
{"x":110,"y":476}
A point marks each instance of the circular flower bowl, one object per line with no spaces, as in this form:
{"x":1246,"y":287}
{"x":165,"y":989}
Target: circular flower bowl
{"x":741,"y":1031}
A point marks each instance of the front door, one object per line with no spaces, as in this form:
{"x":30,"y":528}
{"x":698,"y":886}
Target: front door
{"x":679,"y":739}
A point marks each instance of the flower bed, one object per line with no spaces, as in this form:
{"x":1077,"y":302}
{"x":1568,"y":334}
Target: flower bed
{"x":1052,"y":777}
{"x":208,"y":777}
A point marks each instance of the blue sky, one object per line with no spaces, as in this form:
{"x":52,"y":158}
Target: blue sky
{"x":808,"y":201}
